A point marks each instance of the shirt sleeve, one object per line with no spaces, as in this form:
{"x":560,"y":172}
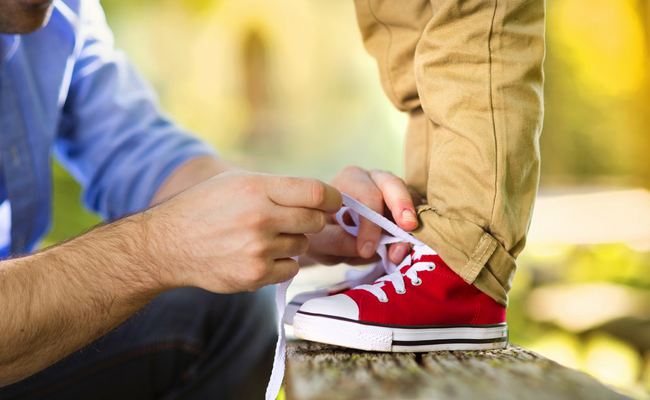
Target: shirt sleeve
{"x":113,"y":137}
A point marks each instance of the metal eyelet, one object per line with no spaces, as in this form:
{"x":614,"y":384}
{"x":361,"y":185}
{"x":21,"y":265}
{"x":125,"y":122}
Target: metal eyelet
{"x":417,"y":283}
{"x":431,"y":267}
{"x":402,"y":292}
{"x":385,"y":300}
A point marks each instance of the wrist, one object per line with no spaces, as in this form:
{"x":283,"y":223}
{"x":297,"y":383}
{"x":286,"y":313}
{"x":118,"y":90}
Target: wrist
{"x":122,"y":252}
{"x":157,"y":249}
{"x":149,"y":248}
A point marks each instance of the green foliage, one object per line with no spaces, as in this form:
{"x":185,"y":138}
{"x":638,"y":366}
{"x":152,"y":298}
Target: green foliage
{"x":609,"y":262}
{"x":70,"y":218}
{"x":115,"y":8}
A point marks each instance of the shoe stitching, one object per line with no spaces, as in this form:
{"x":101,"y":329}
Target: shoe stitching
{"x":389,"y":73}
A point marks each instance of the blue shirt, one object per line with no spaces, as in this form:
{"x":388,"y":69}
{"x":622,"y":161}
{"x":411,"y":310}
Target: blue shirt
{"x":65,"y":90}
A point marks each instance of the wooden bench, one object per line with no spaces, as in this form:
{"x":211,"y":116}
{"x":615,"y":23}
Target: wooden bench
{"x":321,"y":372}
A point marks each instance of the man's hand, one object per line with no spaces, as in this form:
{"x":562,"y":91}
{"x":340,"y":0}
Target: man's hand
{"x":238,"y":230}
{"x":382,"y":192}
{"x":231,"y":233}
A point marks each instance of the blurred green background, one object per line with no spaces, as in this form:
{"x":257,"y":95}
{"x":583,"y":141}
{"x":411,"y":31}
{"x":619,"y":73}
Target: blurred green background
{"x":285,"y":86}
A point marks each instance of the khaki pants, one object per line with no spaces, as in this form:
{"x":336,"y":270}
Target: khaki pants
{"x":469,"y":73}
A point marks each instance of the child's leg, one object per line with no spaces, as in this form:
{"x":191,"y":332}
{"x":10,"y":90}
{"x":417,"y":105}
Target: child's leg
{"x":470,"y":75}
{"x":391,"y":30}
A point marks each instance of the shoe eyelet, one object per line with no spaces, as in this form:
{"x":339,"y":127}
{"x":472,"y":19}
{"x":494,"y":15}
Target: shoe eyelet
{"x":385,"y":300}
{"x":402,"y":292}
{"x":417,"y":283}
{"x":431,"y":267}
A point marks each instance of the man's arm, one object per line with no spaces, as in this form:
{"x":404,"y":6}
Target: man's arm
{"x":58,"y":300}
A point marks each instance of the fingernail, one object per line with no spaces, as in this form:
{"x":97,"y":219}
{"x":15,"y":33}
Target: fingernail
{"x":367,"y":250}
{"x":399,"y":253}
{"x":409,"y":216}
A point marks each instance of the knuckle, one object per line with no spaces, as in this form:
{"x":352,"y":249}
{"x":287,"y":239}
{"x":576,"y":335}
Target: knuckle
{"x":301,"y":244}
{"x":258,"y":248}
{"x":257,"y":220}
{"x":394,"y":180}
{"x":255,"y":287}
{"x":257,"y":272}
{"x":294,"y":184}
{"x":318,"y":192}
{"x":249,"y":185}
{"x":321,"y":220}
{"x":351,"y":169}
{"x":373,"y":199}
{"x":312,"y":221}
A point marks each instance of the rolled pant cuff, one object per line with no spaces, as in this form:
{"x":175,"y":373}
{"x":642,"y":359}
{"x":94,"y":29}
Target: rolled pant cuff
{"x":475,"y":255}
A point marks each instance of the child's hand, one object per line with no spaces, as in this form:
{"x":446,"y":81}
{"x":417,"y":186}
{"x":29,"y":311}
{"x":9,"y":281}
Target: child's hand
{"x":384,"y":193}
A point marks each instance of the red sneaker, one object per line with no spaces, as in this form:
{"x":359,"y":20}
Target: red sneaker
{"x":423,"y":306}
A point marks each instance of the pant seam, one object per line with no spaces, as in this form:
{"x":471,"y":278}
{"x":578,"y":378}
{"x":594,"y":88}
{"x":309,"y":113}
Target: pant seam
{"x":388,"y":50}
{"x":427,"y":149}
{"x":494,"y":129}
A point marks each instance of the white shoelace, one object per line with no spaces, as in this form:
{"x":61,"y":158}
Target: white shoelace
{"x":397,"y":277}
{"x":354,"y":208}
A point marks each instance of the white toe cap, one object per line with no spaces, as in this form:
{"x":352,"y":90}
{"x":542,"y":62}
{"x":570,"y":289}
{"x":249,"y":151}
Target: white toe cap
{"x":338,"y":305}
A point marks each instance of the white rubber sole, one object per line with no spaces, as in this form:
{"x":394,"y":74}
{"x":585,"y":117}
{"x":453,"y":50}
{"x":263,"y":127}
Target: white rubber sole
{"x":365,"y":336}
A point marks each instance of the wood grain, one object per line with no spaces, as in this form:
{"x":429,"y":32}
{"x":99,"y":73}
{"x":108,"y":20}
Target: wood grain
{"x":322,"y":372}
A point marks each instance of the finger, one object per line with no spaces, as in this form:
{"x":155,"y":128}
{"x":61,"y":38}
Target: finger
{"x":303,"y":192}
{"x":398,"y":251}
{"x":397,"y":198}
{"x":333,"y":241}
{"x":330,"y":218}
{"x":285,"y":246}
{"x":369,"y":233}
{"x":357,"y":183}
{"x":417,"y":199}
{"x":295,"y":220}
{"x":283,"y":269}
